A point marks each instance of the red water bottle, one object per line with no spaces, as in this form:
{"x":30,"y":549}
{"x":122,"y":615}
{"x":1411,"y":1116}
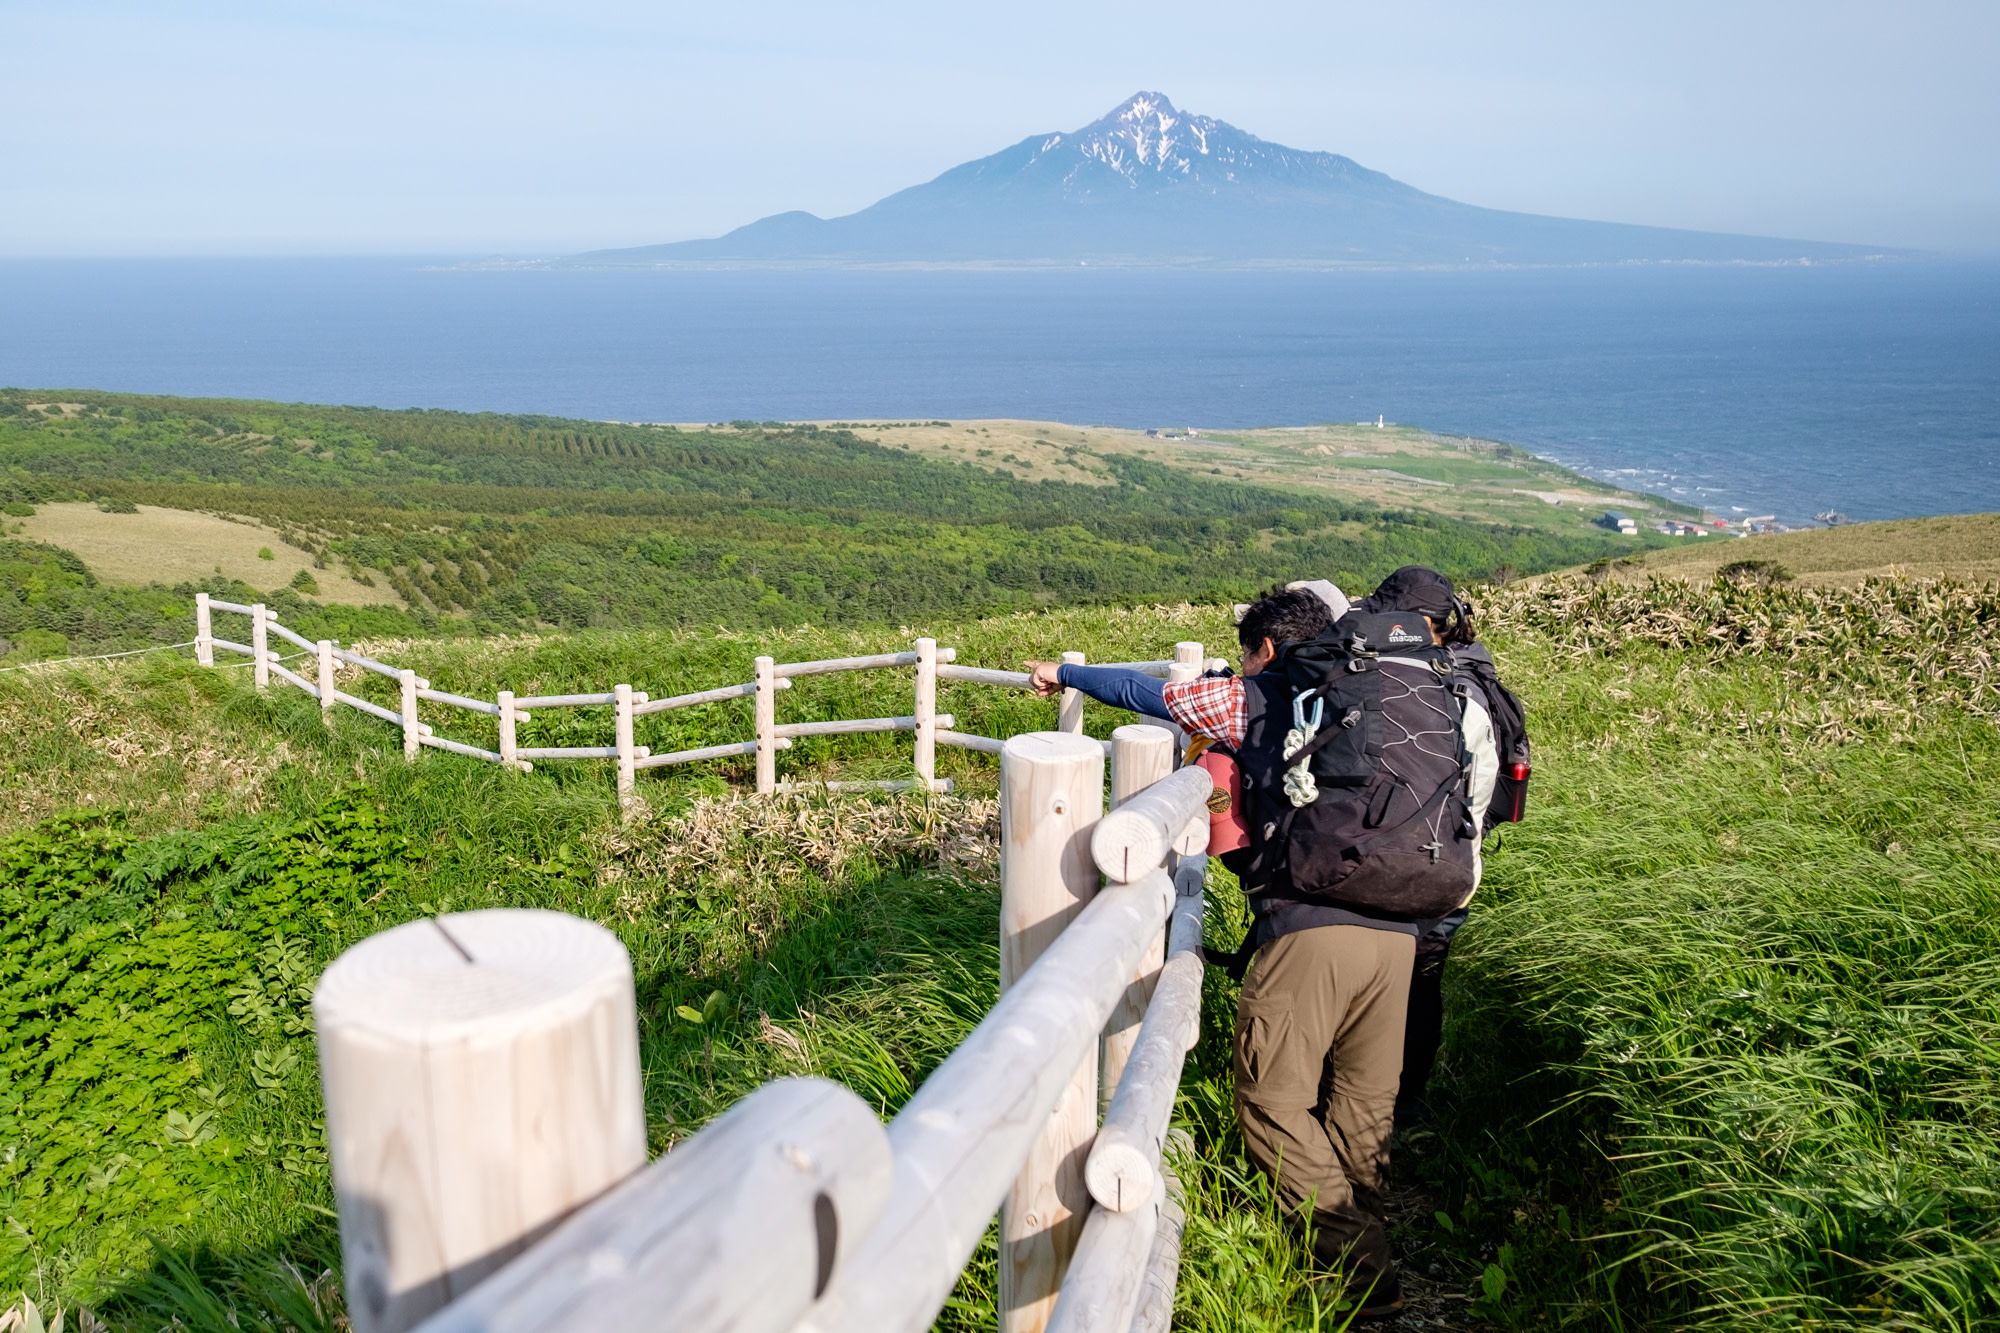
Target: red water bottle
{"x":1511,"y":793}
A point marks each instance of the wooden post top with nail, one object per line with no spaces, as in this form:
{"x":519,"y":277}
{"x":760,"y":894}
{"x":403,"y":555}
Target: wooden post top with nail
{"x":481,"y":1073}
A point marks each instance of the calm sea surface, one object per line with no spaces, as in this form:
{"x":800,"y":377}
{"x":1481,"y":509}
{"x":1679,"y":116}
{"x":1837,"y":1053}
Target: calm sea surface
{"x":1873,"y":391}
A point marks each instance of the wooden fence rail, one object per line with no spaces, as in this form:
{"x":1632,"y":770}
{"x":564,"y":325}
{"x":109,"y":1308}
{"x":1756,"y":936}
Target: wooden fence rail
{"x":927,"y":662}
{"x":483,"y":1093}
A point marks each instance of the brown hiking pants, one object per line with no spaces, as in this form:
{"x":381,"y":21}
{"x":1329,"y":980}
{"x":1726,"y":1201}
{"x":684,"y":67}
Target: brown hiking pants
{"x":1319,"y":1051}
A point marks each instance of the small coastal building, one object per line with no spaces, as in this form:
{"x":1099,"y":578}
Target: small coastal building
{"x":1618,"y":522}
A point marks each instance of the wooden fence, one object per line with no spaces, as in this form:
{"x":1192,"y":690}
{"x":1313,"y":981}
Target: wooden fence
{"x":486,"y":1125}
{"x":928,"y":663}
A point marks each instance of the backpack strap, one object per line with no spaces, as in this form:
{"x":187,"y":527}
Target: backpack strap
{"x":1237,"y":962}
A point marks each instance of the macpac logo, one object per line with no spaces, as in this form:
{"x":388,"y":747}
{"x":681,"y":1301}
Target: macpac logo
{"x":1397,"y":634}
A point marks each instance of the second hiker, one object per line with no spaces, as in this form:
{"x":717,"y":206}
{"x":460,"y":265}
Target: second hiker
{"x":1366,"y":766}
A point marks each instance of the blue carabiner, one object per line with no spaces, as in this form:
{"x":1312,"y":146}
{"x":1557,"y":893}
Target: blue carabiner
{"x":1299,"y":713}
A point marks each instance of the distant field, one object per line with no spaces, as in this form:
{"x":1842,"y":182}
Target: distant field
{"x":179,"y":546}
{"x":494,"y":523}
{"x":1965,"y":546}
{"x":1399,"y":467}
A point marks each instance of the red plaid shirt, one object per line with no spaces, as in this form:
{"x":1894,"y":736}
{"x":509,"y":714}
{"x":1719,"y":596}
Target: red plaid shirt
{"x":1212,"y":706}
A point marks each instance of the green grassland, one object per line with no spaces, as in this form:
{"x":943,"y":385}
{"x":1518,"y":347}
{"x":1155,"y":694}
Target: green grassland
{"x":1395,"y":466}
{"x":1725,"y":1038}
{"x":490,"y":524}
{"x":1964,"y":547}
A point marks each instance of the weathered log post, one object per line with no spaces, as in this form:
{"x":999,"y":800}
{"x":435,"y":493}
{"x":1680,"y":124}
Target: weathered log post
{"x":326,"y":686}
{"x":1069,"y":717}
{"x":510,"y":746}
{"x":767,"y":726}
{"x":1051,"y":794}
{"x":481,"y":1074}
{"x":628,"y":757}
{"x":1188,"y":665}
{"x":260,"y":646}
{"x":204,"y":631}
{"x":412,"y":733}
{"x":924,"y":759}
{"x":1141,"y":754}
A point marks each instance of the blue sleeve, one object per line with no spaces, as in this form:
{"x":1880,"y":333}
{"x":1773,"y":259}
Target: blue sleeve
{"x":1121,"y":687}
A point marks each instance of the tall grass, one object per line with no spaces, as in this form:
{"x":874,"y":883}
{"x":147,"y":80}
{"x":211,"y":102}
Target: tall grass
{"x":1727,"y":1046}
{"x":1725,"y":1035}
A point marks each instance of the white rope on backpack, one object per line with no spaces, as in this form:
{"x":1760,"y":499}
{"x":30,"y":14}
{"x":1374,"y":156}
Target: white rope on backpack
{"x":1300,"y":788}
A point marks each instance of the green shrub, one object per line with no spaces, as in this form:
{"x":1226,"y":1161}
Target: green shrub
{"x":37,"y":645}
{"x":157,"y":1042}
{"x":17,"y":509}
{"x":1754,"y":571}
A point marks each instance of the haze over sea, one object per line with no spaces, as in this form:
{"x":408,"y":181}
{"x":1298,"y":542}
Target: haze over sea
{"x":1869,"y":389}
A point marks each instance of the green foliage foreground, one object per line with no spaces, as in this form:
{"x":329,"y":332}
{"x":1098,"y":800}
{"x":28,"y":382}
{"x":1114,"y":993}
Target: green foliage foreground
{"x":1725,"y":1047}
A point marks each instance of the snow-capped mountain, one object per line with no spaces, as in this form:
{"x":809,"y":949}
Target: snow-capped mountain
{"x":1151,"y":184}
{"x":1145,"y":144}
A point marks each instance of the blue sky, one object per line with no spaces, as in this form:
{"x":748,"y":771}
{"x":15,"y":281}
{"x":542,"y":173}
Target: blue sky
{"x":528,"y":128}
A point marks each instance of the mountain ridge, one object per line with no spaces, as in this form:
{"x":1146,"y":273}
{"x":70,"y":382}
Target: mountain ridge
{"x":1147,"y":184}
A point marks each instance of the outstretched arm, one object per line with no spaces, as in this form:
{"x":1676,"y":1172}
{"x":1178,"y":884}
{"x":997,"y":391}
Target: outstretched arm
{"x":1120,"y":687}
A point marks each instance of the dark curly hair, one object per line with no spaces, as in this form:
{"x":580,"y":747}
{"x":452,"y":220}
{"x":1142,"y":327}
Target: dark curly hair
{"x":1284,"y":615}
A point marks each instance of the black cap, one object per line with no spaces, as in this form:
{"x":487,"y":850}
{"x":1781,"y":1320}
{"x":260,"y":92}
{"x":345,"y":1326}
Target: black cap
{"x":1413,"y":588}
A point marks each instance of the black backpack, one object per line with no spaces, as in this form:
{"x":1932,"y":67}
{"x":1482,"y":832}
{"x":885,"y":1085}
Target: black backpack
{"x":1355,"y":772}
{"x":1510,"y":733}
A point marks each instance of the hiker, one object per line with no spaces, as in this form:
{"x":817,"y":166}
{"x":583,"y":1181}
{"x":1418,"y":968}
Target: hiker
{"x":1343,"y":879}
{"x":1347,"y":881}
{"x":1498,"y":794}
{"x":1502,"y":799}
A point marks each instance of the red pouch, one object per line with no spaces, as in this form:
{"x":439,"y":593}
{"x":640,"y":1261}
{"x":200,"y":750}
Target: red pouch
{"x":1225,"y":830}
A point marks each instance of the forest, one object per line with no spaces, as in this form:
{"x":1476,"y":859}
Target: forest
{"x":485,"y":523}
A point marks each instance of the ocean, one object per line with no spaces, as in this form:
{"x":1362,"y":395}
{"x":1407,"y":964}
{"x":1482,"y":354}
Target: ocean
{"x":1869,"y":390}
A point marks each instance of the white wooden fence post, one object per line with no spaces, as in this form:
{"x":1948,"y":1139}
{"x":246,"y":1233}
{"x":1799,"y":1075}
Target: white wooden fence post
{"x":627,"y":756}
{"x":326,"y":681}
{"x":260,"y":646}
{"x":1069,"y":717}
{"x":1051,"y":794}
{"x":767,"y":726}
{"x":925,"y":712}
{"x":1141,"y":754}
{"x":411,"y":733}
{"x":1187,"y":666}
{"x":509,"y":747}
{"x":481,"y":1074}
{"x":204,"y":631}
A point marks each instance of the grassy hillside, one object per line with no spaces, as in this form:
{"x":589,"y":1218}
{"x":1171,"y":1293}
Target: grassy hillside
{"x":1396,"y":466}
{"x":510,"y":523}
{"x":1965,"y":547}
{"x":1724,"y":1020}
